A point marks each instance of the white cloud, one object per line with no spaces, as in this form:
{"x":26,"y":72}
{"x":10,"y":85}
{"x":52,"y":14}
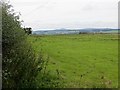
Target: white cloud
{"x":67,"y":13}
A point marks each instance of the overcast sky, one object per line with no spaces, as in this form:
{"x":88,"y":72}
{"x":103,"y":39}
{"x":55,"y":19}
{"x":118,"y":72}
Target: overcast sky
{"x":52,"y":14}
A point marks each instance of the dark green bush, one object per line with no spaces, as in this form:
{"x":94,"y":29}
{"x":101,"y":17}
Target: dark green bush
{"x":20,"y":65}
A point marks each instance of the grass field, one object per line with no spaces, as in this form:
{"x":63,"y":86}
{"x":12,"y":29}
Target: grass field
{"x":85,"y":60}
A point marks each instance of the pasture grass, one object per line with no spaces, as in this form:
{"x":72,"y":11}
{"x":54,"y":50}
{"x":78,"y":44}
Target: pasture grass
{"x":81,"y":61}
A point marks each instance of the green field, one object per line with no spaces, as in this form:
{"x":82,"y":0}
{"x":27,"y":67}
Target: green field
{"x":83,"y":61}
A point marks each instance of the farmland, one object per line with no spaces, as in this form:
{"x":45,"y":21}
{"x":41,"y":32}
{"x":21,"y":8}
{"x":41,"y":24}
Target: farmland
{"x":81,"y":61}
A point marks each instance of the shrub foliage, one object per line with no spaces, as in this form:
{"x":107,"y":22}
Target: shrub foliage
{"x":20,"y":65}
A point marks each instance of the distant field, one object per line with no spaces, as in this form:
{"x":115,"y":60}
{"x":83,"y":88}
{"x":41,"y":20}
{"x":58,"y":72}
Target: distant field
{"x":85,"y":60}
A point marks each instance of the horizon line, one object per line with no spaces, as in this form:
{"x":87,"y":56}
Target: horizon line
{"x":71,"y":28}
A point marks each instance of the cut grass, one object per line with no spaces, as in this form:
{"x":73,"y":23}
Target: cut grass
{"x":85,"y":60}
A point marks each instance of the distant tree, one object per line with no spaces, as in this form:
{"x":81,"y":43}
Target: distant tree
{"x":28,"y":30}
{"x":83,"y":32}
